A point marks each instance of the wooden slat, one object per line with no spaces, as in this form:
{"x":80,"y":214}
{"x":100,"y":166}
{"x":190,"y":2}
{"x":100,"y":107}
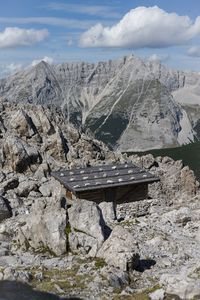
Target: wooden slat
{"x":107,"y":176}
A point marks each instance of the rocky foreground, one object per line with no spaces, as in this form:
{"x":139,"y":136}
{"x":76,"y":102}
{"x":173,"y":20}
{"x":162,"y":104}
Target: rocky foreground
{"x":145,"y":250}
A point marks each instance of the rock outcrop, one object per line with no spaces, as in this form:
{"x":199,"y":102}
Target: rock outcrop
{"x":35,"y":136}
{"x":120,"y":250}
{"x":44,"y":230}
{"x":87,"y":226}
{"x":18,"y":155}
{"x":176,"y":180}
{"x":78,"y":248}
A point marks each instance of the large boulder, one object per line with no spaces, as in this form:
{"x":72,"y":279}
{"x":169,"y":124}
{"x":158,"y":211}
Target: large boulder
{"x":188,"y":181}
{"x":44,"y":230}
{"x":120,"y":250}
{"x":41,"y":120}
{"x":18,"y":155}
{"x":88,"y":229}
{"x":22,"y":124}
{"x":108,"y":211}
{"x":176,"y":181}
{"x":25,"y":187}
{"x":184,"y":283}
{"x":56,"y":145}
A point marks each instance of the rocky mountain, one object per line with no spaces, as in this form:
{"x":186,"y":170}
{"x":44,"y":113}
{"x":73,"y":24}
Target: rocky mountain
{"x":130,"y":104}
{"x":52,"y":248}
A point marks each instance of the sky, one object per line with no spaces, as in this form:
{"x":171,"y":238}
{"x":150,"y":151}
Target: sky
{"x":94,"y":30}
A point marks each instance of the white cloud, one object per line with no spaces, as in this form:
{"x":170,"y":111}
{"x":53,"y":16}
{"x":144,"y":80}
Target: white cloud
{"x":13,"y":67}
{"x":142,"y":27}
{"x":17,"y":37}
{"x":52,"y":21}
{"x":9,"y":69}
{"x":92,"y":10}
{"x":194,"y":51}
{"x":157,"y":57}
{"x":46,"y":59}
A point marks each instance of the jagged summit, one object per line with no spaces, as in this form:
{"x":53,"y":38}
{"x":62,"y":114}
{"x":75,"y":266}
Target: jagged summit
{"x":128,"y":103}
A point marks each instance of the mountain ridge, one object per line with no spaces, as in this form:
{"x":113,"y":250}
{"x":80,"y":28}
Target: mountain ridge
{"x":130,"y":104}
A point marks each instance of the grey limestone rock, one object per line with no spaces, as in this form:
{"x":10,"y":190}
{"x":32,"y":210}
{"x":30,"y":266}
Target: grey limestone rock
{"x":18,"y":155}
{"x":46,"y":189}
{"x":108,"y":211}
{"x":44,"y":230}
{"x":22,"y":124}
{"x":184,"y":283}
{"x":157,"y":295}
{"x":5,"y":210}
{"x":87,"y":226}
{"x":25,"y":187}
{"x":120,"y":250}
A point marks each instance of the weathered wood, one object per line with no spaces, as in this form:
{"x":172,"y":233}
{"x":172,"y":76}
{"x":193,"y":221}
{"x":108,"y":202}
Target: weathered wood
{"x":116,"y":183}
{"x":117,"y":195}
{"x":132,"y":193}
{"x":97,"y":196}
{"x":95,"y":178}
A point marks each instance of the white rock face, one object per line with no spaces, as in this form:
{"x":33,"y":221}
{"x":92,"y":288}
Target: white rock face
{"x":120,"y":250}
{"x":184,"y":283}
{"x":127,"y":103}
{"x":186,"y":134}
{"x":44,"y":230}
{"x":87,"y":226}
{"x":18,"y":154}
{"x":157,"y":295}
{"x":189,"y":93}
{"x":108,"y":211}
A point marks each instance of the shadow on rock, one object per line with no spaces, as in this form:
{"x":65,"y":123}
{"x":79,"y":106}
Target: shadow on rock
{"x":144,"y":264}
{"x":13,"y":290}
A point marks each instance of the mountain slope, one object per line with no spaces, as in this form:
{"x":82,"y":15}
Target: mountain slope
{"x":126,"y":103}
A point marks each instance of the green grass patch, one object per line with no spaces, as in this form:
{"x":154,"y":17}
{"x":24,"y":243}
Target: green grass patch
{"x":100,"y":263}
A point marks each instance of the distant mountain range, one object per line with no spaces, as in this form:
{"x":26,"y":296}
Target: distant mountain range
{"x":130,"y":104}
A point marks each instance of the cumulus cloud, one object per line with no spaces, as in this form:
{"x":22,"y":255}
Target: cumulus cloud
{"x":46,"y":59}
{"x":142,"y":27}
{"x":16,"y":37}
{"x":194,"y":51}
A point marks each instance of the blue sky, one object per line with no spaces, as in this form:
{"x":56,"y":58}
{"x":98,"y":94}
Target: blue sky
{"x":61,"y":31}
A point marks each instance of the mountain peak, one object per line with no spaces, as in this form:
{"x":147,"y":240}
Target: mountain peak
{"x":127,"y":103}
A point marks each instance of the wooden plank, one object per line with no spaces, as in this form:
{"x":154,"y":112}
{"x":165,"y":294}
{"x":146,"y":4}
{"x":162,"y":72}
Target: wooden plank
{"x":99,"y":169}
{"x":132,"y":193}
{"x":108,"y":176}
{"x":97,"y":196}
